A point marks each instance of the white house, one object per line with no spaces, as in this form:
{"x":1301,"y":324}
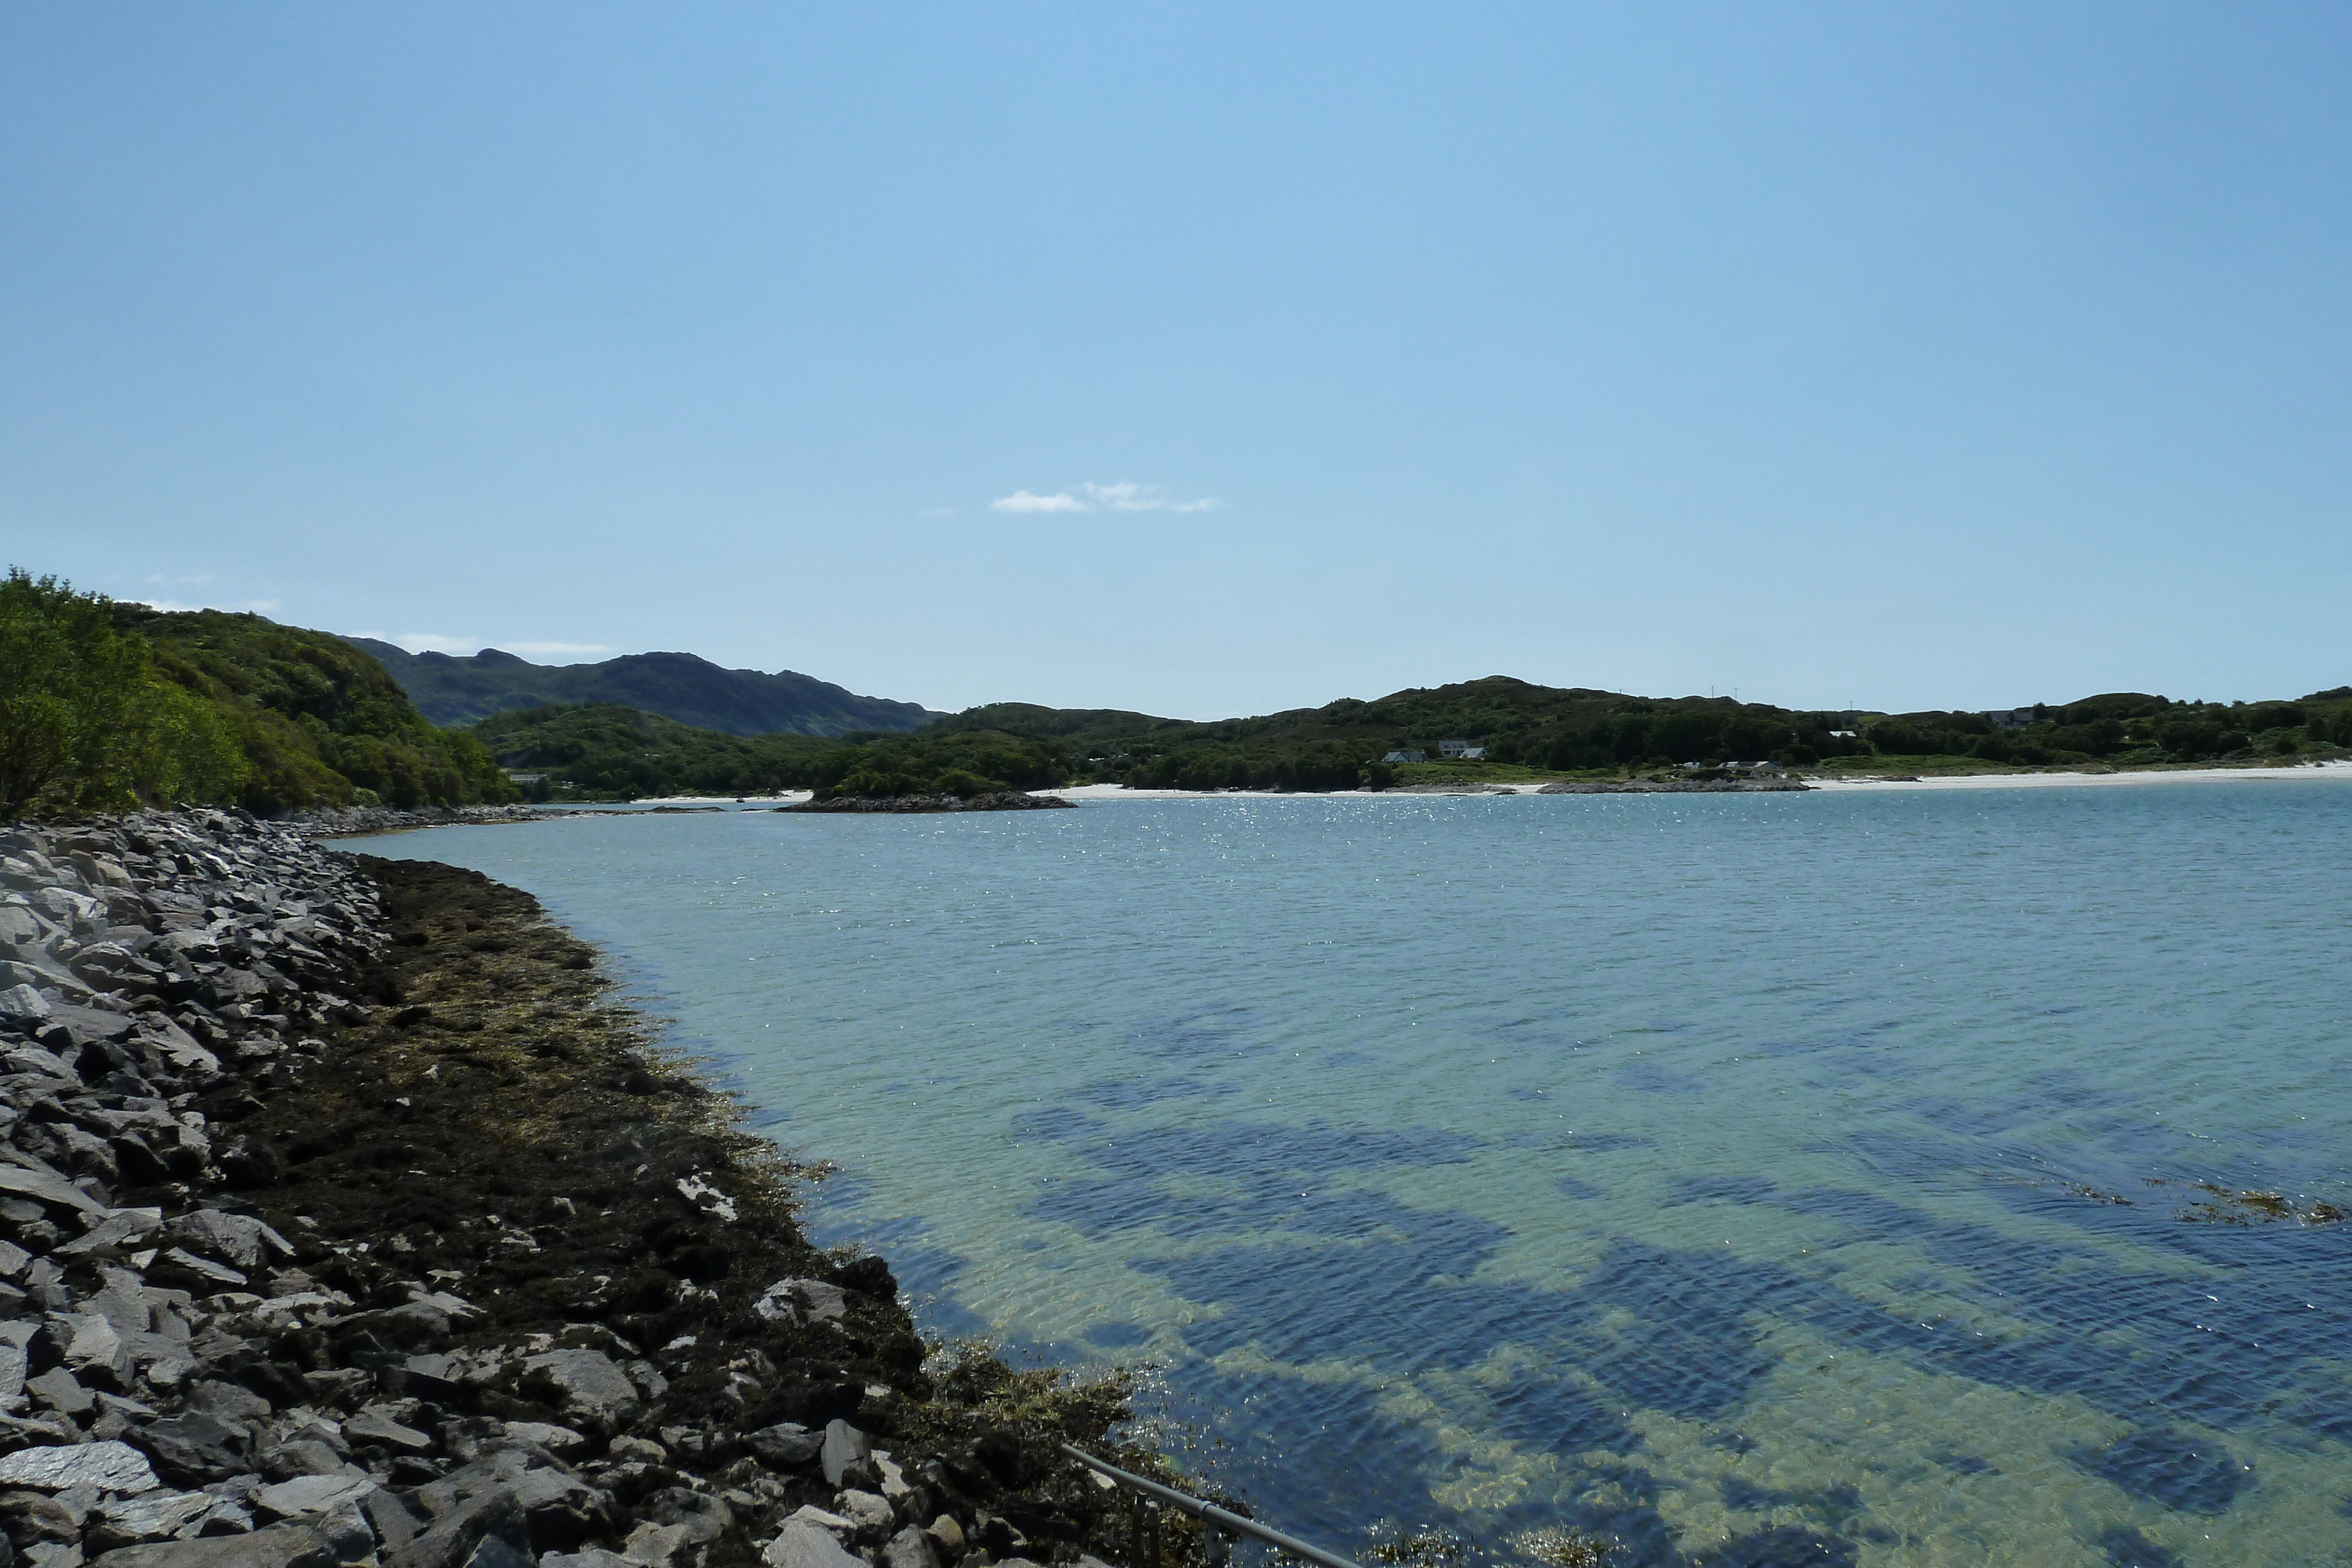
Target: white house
{"x":1406,"y":757}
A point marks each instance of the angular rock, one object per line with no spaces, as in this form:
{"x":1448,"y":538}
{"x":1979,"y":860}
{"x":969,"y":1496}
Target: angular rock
{"x":911,"y":1548}
{"x":313,"y":1494}
{"x":562,"y":1509}
{"x":57,"y":1389}
{"x":580,"y":1381}
{"x":145,"y":1516}
{"x":560,"y":1441}
{"x":274,"y":1548}
{"x":802,"y":1300}
{"x":109,"y":1466}
{"x":803,"y":1545}
{"x":121,"y":1231}
{"x":868,"y":1512}
{"x":845,"y":1445}
{"x":194,"y":1449}
{"x":494,"y":1552}
{"x":451,"y":1538}
{"x":299,"y":1456}
{"x":785,"y":1446}
{"x":44,"y":1188}
{"x":32,"y":1517}
{"x":656,"y":1545}
{"x":376,"y":1425}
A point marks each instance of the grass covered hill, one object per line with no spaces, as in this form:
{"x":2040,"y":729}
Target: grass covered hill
{"x":679,"y":686}
{"x":107,"y":705}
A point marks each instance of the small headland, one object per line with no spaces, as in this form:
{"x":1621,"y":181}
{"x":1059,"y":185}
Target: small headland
{"x":996,"y":801}
{"x":349,"y":1221}
{"x":1674,"y":787}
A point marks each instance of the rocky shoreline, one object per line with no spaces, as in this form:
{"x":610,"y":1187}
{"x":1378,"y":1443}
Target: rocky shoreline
{"x":347,"y":1221}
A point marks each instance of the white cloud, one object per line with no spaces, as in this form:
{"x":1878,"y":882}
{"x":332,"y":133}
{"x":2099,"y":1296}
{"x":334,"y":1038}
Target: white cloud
{"x":558,"y":648}
{"x":1023,"y":501}
{"x":1124,"y":497}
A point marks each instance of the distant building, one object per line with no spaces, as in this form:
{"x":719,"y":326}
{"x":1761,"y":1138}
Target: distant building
{"x":2010,"y":718}
{"x":1455,"y":749}
{"x":1474,"y":754}
{"x":1406,"y":757}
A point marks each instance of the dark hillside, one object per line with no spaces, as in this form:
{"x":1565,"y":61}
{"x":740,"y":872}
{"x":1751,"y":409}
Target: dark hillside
{"x":678,"y":686}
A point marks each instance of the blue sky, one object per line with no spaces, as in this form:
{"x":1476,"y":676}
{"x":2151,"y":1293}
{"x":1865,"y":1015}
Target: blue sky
{"x":1906,"y":356}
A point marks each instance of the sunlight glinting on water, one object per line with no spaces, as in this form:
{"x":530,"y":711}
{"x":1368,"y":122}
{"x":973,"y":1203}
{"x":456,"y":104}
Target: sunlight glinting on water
{"x":1813,"y":1172}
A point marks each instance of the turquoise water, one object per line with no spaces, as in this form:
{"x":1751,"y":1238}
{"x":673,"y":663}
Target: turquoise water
{"x":1735,"y":1177}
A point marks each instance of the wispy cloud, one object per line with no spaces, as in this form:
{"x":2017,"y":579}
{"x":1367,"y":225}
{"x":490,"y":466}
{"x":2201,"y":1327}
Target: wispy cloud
{"x":559,"y":648}
{"x":1124,"y":497}
{"x":1023,"y":501}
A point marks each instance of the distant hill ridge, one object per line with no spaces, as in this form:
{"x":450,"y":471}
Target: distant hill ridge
{"x":450,"y":690}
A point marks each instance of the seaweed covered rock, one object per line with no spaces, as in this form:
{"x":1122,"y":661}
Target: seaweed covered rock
{"x":343,"y":1219}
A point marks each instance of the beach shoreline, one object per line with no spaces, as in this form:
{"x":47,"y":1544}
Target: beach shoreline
{"x":2340,"y":771}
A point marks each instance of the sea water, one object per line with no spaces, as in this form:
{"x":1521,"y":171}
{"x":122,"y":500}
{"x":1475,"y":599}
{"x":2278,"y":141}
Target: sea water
{"x":1748,"y":1179}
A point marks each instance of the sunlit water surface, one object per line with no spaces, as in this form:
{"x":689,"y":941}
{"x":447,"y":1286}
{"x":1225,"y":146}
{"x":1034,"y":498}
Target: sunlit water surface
{"x":1753,"y":1179}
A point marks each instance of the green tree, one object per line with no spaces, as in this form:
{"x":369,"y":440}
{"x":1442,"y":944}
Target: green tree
{"x":85,"y":724}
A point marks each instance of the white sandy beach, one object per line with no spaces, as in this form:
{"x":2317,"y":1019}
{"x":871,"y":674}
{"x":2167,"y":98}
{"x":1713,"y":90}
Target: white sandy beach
{"x":2338,"y":771}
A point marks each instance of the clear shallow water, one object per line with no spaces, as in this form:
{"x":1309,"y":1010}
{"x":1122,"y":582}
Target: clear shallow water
{"x":1691,"y":1170}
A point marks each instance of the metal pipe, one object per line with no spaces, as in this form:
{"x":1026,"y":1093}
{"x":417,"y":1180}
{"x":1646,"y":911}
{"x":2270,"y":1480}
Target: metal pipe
{"x":1209,"y":1513}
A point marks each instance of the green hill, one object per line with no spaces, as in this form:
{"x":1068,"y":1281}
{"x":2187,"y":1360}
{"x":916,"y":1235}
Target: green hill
{"x":1519,"y":726}
{"x":105,"y":705}
{"x":1525,"y":729}
{"x":605,"y":751}
{"x":679,"y":686}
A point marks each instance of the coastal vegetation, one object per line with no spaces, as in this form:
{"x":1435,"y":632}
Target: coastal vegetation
{"x":2124,"y":729}
{"x":605,"y":751}
{"x":1525,"y":733}
{"x":108,"y":706}
{"x":105,"y":704}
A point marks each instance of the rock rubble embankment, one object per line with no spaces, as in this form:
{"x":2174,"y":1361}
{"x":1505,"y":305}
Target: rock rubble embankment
{"x":343,"y":1221}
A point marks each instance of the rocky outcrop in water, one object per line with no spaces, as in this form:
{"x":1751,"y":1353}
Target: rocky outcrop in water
{"x":1674,"y":787}
{"x":353,"y":821}
{"x":342,"y":1221}
{"x":1002,"y":800}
